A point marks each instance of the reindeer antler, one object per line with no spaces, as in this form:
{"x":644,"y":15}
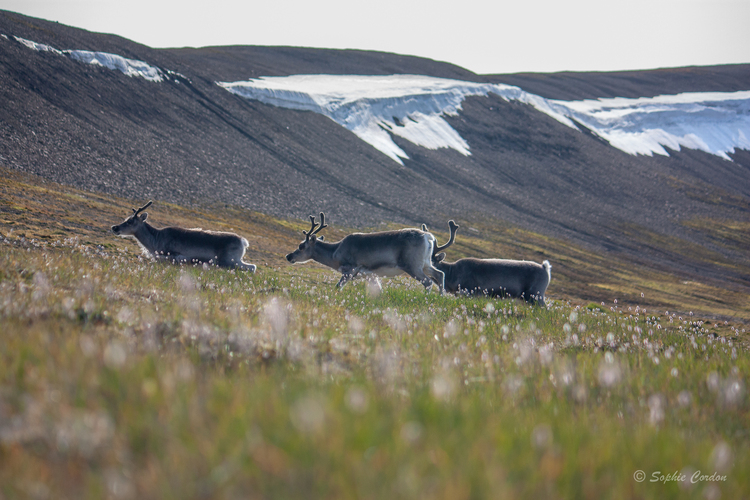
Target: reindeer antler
{"x":144,"y":207}
{"x":313,"y":231}
{"x":322,"y":223}
{"x":310,"y":232}
{"x":453,"y":228}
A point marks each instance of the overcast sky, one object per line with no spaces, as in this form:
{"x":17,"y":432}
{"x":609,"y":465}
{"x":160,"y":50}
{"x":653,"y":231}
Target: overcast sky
{"x":483,"y":36}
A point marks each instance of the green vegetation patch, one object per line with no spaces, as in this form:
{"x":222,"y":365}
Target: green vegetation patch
{"x":125,"y":378}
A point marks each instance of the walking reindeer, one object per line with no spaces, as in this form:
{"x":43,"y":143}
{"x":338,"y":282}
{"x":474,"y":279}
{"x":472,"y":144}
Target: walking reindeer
{"x":182,"y":245}
{"x":493,"y":277}
{"x":386,"y":253}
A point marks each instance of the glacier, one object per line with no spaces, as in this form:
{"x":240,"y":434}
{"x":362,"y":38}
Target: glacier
{"x":129,"y":67}
{"x":414,"y":107}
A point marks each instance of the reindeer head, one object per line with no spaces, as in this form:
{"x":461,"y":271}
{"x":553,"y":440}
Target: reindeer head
{"x":305,"y":250}
{"x":437,"y":251}
{"x":130,"y":225}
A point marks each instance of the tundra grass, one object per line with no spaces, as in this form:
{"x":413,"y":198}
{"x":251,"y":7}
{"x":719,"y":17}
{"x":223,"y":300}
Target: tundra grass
{"x":125,"y":378}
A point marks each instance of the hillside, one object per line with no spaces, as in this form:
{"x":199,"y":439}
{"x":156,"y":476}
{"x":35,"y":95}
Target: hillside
{"x":187,"y":140}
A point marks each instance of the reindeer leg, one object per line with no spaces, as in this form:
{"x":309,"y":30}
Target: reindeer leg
{"x":438,"y":277}
{"x":231,"y":263}
{"x":347,"y":274}
{"x":356,"y":271}
{"x":246,"y":267}
{"x":177,"y":258}
{"x":375,"y":286}
{"x":426,"y":280}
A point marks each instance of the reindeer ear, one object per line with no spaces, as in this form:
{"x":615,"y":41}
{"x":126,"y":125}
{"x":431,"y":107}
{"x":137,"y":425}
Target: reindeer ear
{"x":144,"y":216}
{"x":439,"y":257}
{"x":321,"y":238}
{"x":424,"y":227}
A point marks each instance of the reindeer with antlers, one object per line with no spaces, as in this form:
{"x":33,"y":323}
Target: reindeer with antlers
{"x":182,"y":245}
{"x":386,"y":253}
{"x":493,"y":277}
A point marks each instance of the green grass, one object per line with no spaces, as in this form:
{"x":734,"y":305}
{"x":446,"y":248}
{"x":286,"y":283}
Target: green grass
{"x":124,"y":378}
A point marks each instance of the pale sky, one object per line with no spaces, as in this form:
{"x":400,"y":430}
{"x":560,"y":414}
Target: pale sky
{"x":483,"y":36}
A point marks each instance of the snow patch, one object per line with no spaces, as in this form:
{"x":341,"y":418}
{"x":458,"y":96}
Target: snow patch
{"x":129,"y":67}
{"x":414,"y":107}
{"x":39,"y":47}
{"x":714,"y":122}
{"x":373,"y":107}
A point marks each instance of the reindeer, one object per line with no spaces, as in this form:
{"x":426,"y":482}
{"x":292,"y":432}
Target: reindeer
{"x":181,"y":245}
{"x":386,"y":253}
{"x":493,"y":277}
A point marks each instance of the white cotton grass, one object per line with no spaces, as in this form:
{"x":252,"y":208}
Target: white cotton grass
{"x":542,"y":437}
{"x":307,"y":415}
{"x":729,"y":391}
{"x":609,"y":373}
{"x":565,"y":373}
{"x":443,"y":386}
{"x":721,"y":457}
{"x":411,"y":432}
{"x":357,"y":400}
{"x":115,"y":354}
{"x":657,"y":409}
{"x":341,"y":354}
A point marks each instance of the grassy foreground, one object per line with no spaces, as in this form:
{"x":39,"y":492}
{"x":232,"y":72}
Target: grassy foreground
{"x":123,"y":378}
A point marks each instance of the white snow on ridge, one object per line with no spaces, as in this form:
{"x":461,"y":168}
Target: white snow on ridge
{"x":39,"y":47}
{"x":413,"y":107}
{"x":714,"y":122}
{"x":373,"y":107}
{"x":129,"y":67}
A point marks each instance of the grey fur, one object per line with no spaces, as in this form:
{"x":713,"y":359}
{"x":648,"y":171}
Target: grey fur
{"x":385,"y":253}
{"x":182,"y":245}
{"x":495,"y":277}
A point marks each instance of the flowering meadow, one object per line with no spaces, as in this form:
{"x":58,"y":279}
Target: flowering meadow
{"x":125,"y":378}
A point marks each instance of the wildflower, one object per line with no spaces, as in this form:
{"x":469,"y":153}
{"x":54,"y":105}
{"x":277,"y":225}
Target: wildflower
{"x":443,"y":386}
{"x":356,"y":400}
{"x":684,"y":398}
{"x":541,"y":437}
{"x":721,"y":457}
{"x":609,"y":373}
{"x":656,"y":409}
{"x":115,"y":354}
{"x":307,"y":415}
{"x":512,"y":384}
{"x":411,"y":432}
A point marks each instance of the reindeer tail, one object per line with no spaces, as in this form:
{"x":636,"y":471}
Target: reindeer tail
{"x":548,"y":268}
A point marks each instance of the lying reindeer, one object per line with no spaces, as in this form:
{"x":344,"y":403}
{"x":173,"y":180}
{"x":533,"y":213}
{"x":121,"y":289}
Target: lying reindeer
{"x":387,"y":253}
{"x":185,"y":245}
{"x":493,"y":277}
